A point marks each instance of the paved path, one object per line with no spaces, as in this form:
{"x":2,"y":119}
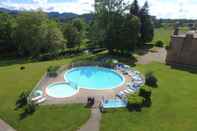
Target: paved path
{"x":5,"y":127}
{"x":93,"y":124}
{"x":158,"y":56}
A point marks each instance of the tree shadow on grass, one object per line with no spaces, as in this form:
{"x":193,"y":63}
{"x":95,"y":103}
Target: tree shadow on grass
{"x":24,"y":115}
{"x":129,"y":60}
{"x":16,"y":60}
{"x":134,"y":108}
{"x":144,"y":50}
{"x":191,"y":69}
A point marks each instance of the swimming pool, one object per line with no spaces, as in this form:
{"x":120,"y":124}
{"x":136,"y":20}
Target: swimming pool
{"x":97,"y":78}
{"x":114,"y":103}
{"x":61,"y":90}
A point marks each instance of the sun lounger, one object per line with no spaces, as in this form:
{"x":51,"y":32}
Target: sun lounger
{"x":128,"y":91}
{"x":132,"y":87}
{"x":36,"y":98}
{"x":41,"y":100}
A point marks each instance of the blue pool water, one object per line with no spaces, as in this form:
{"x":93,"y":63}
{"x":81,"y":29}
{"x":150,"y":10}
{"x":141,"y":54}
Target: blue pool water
{"x":61,"y":90}
{"x":92,"y":77}
{"x":114,"y":103}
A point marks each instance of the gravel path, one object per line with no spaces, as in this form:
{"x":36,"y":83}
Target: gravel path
{"x":158,"y":56}
{"x":93,"y":124}
{"x":5,"y":127}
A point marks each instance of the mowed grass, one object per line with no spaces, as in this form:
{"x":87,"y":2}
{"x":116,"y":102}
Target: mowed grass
{"x":174,"y":105}
{"x":164,"y":34}
{"x":47,"y":118}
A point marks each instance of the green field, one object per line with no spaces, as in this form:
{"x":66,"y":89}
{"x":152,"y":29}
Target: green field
{"x":173,"y":109}
{"x":165,"y":33}
{"x":46,"y":118}
{"x":173,"y":105}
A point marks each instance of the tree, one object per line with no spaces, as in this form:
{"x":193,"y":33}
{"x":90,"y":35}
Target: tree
{"x":135,"y":9}
{"x":72,"y":35}
{"x":7,"y":26}
{"x":31,"y":32}
{"x":130,"y":33}
{"x":55,"y":39}
{"x":96,"y":37}
{"x":81,"y":26}
{"x":36,"y":34}
{"x":107,"y":23}
{"x":115,"y":26}
{"x":147,"y":27}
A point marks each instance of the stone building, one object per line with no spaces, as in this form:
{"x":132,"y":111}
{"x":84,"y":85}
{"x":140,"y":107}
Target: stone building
{"x":183,"y":49}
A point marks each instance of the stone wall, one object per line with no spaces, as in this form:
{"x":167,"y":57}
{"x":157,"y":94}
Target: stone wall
{"x":183,"y":50}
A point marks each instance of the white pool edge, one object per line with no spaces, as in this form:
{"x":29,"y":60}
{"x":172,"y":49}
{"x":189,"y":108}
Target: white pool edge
{"x":55,"y":83}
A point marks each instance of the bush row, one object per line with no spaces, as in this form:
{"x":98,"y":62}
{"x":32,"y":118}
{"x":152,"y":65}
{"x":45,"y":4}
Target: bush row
{"x":138,"y":100}
{"x":52,"y":71}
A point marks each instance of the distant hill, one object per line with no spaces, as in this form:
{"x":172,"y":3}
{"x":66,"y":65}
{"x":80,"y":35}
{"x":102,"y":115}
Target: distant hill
{"x":14,"y":12}
{"x":55,"y":15}
{"x":62,"y":16}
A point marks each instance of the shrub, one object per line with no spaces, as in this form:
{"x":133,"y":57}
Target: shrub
{"x":30,"y":108}
{"x":167,"y":47}
{"x":151,"y":80}
{"x":145,"y":92}
{"x":47,"y":56}
{"x":22,"y":68}
{"x":109,"y":64}
{"x":52,"y":71}
{"x":159,"y":43}
{"x":135,"y":102}
{"x":22,"y":100}
{"x":90,"y":102}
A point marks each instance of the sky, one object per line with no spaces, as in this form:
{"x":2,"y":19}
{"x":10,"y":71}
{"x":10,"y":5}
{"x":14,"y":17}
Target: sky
{"x":160,"y":8}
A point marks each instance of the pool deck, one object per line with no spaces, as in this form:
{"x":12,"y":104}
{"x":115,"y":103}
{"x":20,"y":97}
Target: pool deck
{"x":82,"y":95}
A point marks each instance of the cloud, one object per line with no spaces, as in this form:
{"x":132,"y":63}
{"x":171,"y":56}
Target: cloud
{"x":159,"y":8}
{"x":40,"y":1}
{"x":173,"y":8}
{"x":75,"y":6}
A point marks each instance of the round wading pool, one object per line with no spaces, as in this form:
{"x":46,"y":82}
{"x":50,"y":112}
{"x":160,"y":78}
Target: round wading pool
{"x":96,"y":78}
{"x":61,"y":90}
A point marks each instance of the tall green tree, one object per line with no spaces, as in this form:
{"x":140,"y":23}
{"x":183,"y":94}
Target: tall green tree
{"x":96,"y":37}
{"x":54,"y":40}
{"x":7,"y":26}
{"x":111,"y":22}
{"x":35,"y":34}
{"x":135,"y":9}
{"x":130,"y":33}
{"x":72,"y":35}
{"x":31,"y":32}
{"x":81,"y":27}
{"x":147,"y":27}
{"x":79,"y":24}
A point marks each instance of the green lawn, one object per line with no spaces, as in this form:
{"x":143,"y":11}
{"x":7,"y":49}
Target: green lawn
{"x":174,"y":102}
{"x":165,"y":33}
{"x":174,"y":105}
{"x":46,"y":118}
